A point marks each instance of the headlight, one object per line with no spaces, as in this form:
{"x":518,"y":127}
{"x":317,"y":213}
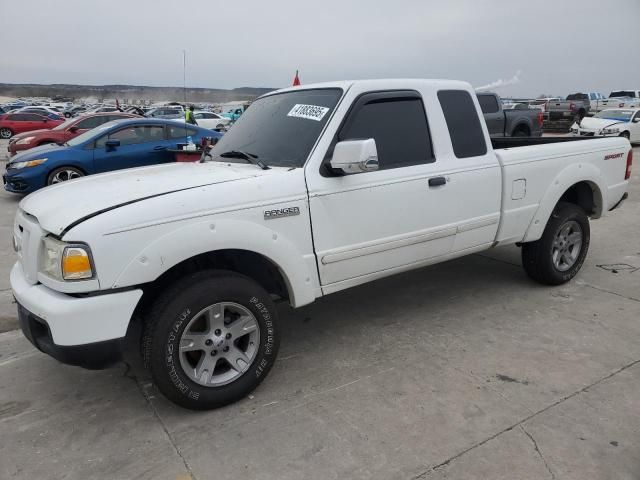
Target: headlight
{"x":610,"y":131}
{"x":64,"y":261}
{"x":28,"y":163}
{"x":25,"y":141}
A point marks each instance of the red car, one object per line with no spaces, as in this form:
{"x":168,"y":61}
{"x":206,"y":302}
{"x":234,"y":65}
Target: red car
{"x":12,"y":123}
{"x":63,"y":132}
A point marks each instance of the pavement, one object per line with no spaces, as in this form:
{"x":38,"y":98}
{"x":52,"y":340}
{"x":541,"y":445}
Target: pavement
{"x":462,"y":370}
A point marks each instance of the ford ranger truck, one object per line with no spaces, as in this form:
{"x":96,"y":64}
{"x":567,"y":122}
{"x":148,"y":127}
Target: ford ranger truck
{"x":313,"y":191}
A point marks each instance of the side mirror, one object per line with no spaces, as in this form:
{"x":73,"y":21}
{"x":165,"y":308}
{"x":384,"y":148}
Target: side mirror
{"x":636,"y":120}
{"x":45,"y":120}
{"x":112,"y":144}
{"x":355,"y":156}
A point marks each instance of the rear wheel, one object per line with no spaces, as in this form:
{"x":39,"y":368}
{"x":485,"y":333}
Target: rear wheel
{"x":210,"y":339}
{"x":559,"y":254}
{"x":63,"y":174}
{"x":626,"y":135}
{"x":5,"y":133}
{"x":520,"y":132}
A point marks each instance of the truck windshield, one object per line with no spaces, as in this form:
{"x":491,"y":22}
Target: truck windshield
{"x":280,"y":130}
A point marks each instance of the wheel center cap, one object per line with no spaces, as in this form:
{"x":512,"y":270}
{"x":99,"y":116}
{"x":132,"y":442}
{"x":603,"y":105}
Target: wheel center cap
{"x":218,"y":342}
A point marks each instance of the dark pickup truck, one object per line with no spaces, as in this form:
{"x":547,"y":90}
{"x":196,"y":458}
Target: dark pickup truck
{"x":509,"y":123}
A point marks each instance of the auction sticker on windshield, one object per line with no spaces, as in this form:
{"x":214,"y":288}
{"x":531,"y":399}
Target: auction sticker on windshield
{"x":310,"y":112}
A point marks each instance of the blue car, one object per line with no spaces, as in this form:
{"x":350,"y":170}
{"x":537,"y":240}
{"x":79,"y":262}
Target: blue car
{"x":111,"y":146}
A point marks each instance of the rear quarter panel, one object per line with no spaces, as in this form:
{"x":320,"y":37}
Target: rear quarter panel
{"x":547,"y":172}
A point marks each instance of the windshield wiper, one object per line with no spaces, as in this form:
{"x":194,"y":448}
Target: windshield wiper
{"x":249,"y":157}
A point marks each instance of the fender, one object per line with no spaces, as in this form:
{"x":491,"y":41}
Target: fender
{"x":572,"y":174}
{"x":299,"y":270}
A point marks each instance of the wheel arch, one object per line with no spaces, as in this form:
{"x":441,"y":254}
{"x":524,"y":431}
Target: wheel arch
{"x":243,"y":247}
{"x":522,"y":126}
{"x":577,"y":184}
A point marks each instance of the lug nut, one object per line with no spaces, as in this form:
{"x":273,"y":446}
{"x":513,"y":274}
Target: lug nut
{"x":218,"y":332}
{"x":227,"y":336}
{"x":225,"y":349}
{"x":214,"y":353}
{"x":208,"y":342}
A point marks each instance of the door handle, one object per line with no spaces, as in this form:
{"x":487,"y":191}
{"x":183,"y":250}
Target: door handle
{"x":160,"y":148}
{"x":437,"y":181}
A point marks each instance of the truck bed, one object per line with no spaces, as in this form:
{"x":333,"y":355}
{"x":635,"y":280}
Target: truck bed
{"x":512,"y":142}
{"x":529,"y":174}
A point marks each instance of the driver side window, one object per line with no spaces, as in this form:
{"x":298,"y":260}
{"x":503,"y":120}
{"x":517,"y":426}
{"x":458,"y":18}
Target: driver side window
{"x":134,"y":135}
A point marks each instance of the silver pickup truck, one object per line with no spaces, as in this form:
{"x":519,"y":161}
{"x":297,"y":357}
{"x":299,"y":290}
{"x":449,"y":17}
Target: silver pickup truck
{"x":509,"y":123}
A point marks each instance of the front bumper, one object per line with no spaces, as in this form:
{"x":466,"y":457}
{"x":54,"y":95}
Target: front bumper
{"x":86,"y":331}
{"x":24,"y":180}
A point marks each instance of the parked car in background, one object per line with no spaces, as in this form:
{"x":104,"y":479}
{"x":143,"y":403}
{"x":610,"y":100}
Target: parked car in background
{"x":73,"y":110}
{"x":14,"y":123}
{"x":610,"y":123}
{"x":513,"y":122}
{"x":625,"y":94}
{"x":63,"y":132}
{"x":166,"y":112}
{"x":234,"y":114}
{"x":41,"y":110}
{"x":112,"y":146}
{"x":576,"y":106}
{"x":209,"y":120}
{"x":620,"y":99}
{"x":101,"y":109}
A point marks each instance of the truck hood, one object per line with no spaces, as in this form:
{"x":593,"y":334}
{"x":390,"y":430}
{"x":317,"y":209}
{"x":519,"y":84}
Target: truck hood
{"x":61,"y":206}
{"x":592,"y":123}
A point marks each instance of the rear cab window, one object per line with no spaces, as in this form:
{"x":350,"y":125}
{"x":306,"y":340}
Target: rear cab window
{"x":463,"y":123}
{"x":488,"y":103}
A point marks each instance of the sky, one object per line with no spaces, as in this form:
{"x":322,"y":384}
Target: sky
{"x":523,"y":48}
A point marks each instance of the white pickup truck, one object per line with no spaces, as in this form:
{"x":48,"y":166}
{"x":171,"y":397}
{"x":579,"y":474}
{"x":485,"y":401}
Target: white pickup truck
{"x":312,"y":191}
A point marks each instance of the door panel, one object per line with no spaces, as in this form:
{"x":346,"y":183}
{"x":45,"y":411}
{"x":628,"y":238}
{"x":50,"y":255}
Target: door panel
{"x":139,"y":146}
{"x":375,"y":223}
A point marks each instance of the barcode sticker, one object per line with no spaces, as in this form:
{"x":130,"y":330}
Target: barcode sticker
{"x":310,"y":112}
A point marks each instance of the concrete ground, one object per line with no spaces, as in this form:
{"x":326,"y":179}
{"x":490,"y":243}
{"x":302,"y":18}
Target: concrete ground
{"x":462,"y":370}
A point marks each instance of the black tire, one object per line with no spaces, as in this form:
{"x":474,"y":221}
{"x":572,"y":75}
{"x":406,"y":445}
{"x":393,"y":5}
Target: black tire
{"x":520,"y":132}
{"x":5,"y":133}
{"x":173,"y":311}
{"x":218,"y":127}
{"x":52,"y":176}
{"x":626,"y":135}
{"x":537,"y":257}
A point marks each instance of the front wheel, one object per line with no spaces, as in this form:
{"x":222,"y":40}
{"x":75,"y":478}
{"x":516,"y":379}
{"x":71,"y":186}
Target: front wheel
{"x":559,"y":254}
{"x":63,"y":174}
{"x":5,"y":133}
{"x":210,"y":339}
{"x":626,"y":135}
